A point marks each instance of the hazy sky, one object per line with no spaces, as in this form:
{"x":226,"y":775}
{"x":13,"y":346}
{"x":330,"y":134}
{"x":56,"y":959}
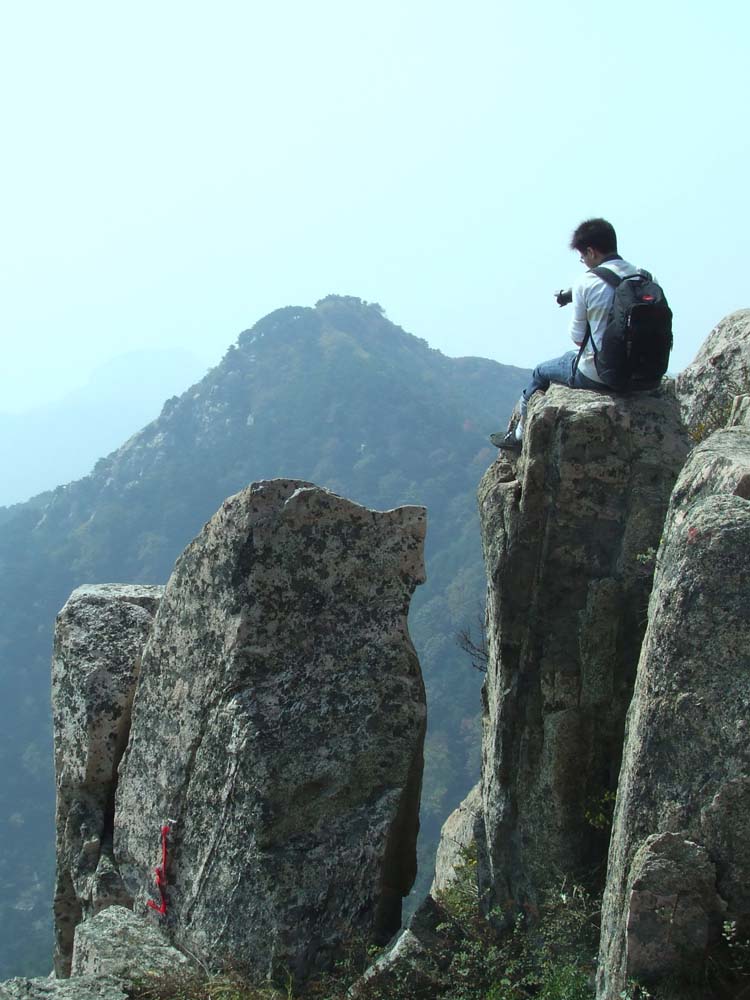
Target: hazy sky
{"x":172,"y":171}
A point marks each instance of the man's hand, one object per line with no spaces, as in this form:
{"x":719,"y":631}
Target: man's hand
{"x":563,"y":297}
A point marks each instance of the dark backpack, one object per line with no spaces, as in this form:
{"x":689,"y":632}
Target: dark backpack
{"x":636,"y":342}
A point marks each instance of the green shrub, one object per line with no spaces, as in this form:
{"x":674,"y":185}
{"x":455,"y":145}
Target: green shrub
{"x":566,"y":982}
{"x":550,"y":956}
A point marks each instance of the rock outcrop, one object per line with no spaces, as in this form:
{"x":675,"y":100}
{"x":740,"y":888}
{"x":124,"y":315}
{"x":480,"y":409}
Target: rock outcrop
{"x":463,"y":830}
{"x":569,"y":531}
{"x":118,"y":943}
{"x":720,"y":372}
{"x":679,"y":861}
{"x":99,"y":637}
{"x":279,"y":723}
{"x":81,"y":988}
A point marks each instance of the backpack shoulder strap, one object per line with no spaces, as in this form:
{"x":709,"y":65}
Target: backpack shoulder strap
{"x":606,"y":275}
{"x":582,"y":348}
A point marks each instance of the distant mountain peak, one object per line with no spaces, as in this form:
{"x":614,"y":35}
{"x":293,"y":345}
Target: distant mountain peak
{"x":352,"y":301}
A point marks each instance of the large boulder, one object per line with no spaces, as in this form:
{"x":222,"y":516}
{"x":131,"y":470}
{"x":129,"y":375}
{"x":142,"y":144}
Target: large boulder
{"x":118,"y":943}
{"x":720,"y":372}
{"x":99,"y":637}
{"x":569,"y":531}
{"x":279,"y":724}
{"x":685,"y":775}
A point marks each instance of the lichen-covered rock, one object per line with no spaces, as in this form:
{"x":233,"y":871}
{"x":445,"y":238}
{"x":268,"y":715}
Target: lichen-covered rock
{"x":686,"y":762}
{"x":279,"y":720}
{"x":463,"y":828}
{"x":82,"y":988}
{"x":720,"y":372}
{"x":569,"y":529}
{"x":116,"y":942}
{"x":99,"y":636}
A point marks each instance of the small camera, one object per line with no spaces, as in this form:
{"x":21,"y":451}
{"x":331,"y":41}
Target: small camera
{"x":564,"y":297}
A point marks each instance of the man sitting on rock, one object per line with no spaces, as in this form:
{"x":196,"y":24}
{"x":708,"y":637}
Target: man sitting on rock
{"x":596,"y":242}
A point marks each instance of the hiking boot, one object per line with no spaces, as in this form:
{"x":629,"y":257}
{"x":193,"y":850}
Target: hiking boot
{"x":509,"y":441}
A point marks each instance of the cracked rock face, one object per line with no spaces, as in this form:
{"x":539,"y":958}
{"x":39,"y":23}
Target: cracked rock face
{"x":569,"y":529}
{"x":687,"y":755}
{"x":99,"y":636}
{"x":279,"y":721}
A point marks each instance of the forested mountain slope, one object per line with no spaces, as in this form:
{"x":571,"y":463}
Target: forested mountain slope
{"x":335,"y":394}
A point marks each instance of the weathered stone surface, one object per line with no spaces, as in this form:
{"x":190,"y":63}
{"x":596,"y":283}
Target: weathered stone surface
{"x":83,"y":988}
{"x":674,"y":913}
{"x":740,"y":415}
{"x":567,"y":544}
{"x":116,"y":942}
{"x":99,"y":636}
{"x":720,"y":371}
{"x":464,"y":827}
{"x":279,"y":720}
{"x":687,"y":756}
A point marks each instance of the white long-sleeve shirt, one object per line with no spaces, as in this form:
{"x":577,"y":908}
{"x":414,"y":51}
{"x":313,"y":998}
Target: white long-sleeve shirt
{"x":592,"y":299}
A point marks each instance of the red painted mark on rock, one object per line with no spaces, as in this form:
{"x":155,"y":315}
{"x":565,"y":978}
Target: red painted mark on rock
{"x":160,"y":873}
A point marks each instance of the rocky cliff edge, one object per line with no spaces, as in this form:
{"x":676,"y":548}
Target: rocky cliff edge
{"x":569,"y":531}
{"x":679,"y":863}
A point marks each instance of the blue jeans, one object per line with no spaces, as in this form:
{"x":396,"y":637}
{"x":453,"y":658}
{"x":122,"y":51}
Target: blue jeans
{"x":560,"y":371}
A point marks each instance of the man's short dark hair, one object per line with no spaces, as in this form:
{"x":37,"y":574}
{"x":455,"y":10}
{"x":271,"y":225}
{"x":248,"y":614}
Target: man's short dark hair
{"x":596,"y":233}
